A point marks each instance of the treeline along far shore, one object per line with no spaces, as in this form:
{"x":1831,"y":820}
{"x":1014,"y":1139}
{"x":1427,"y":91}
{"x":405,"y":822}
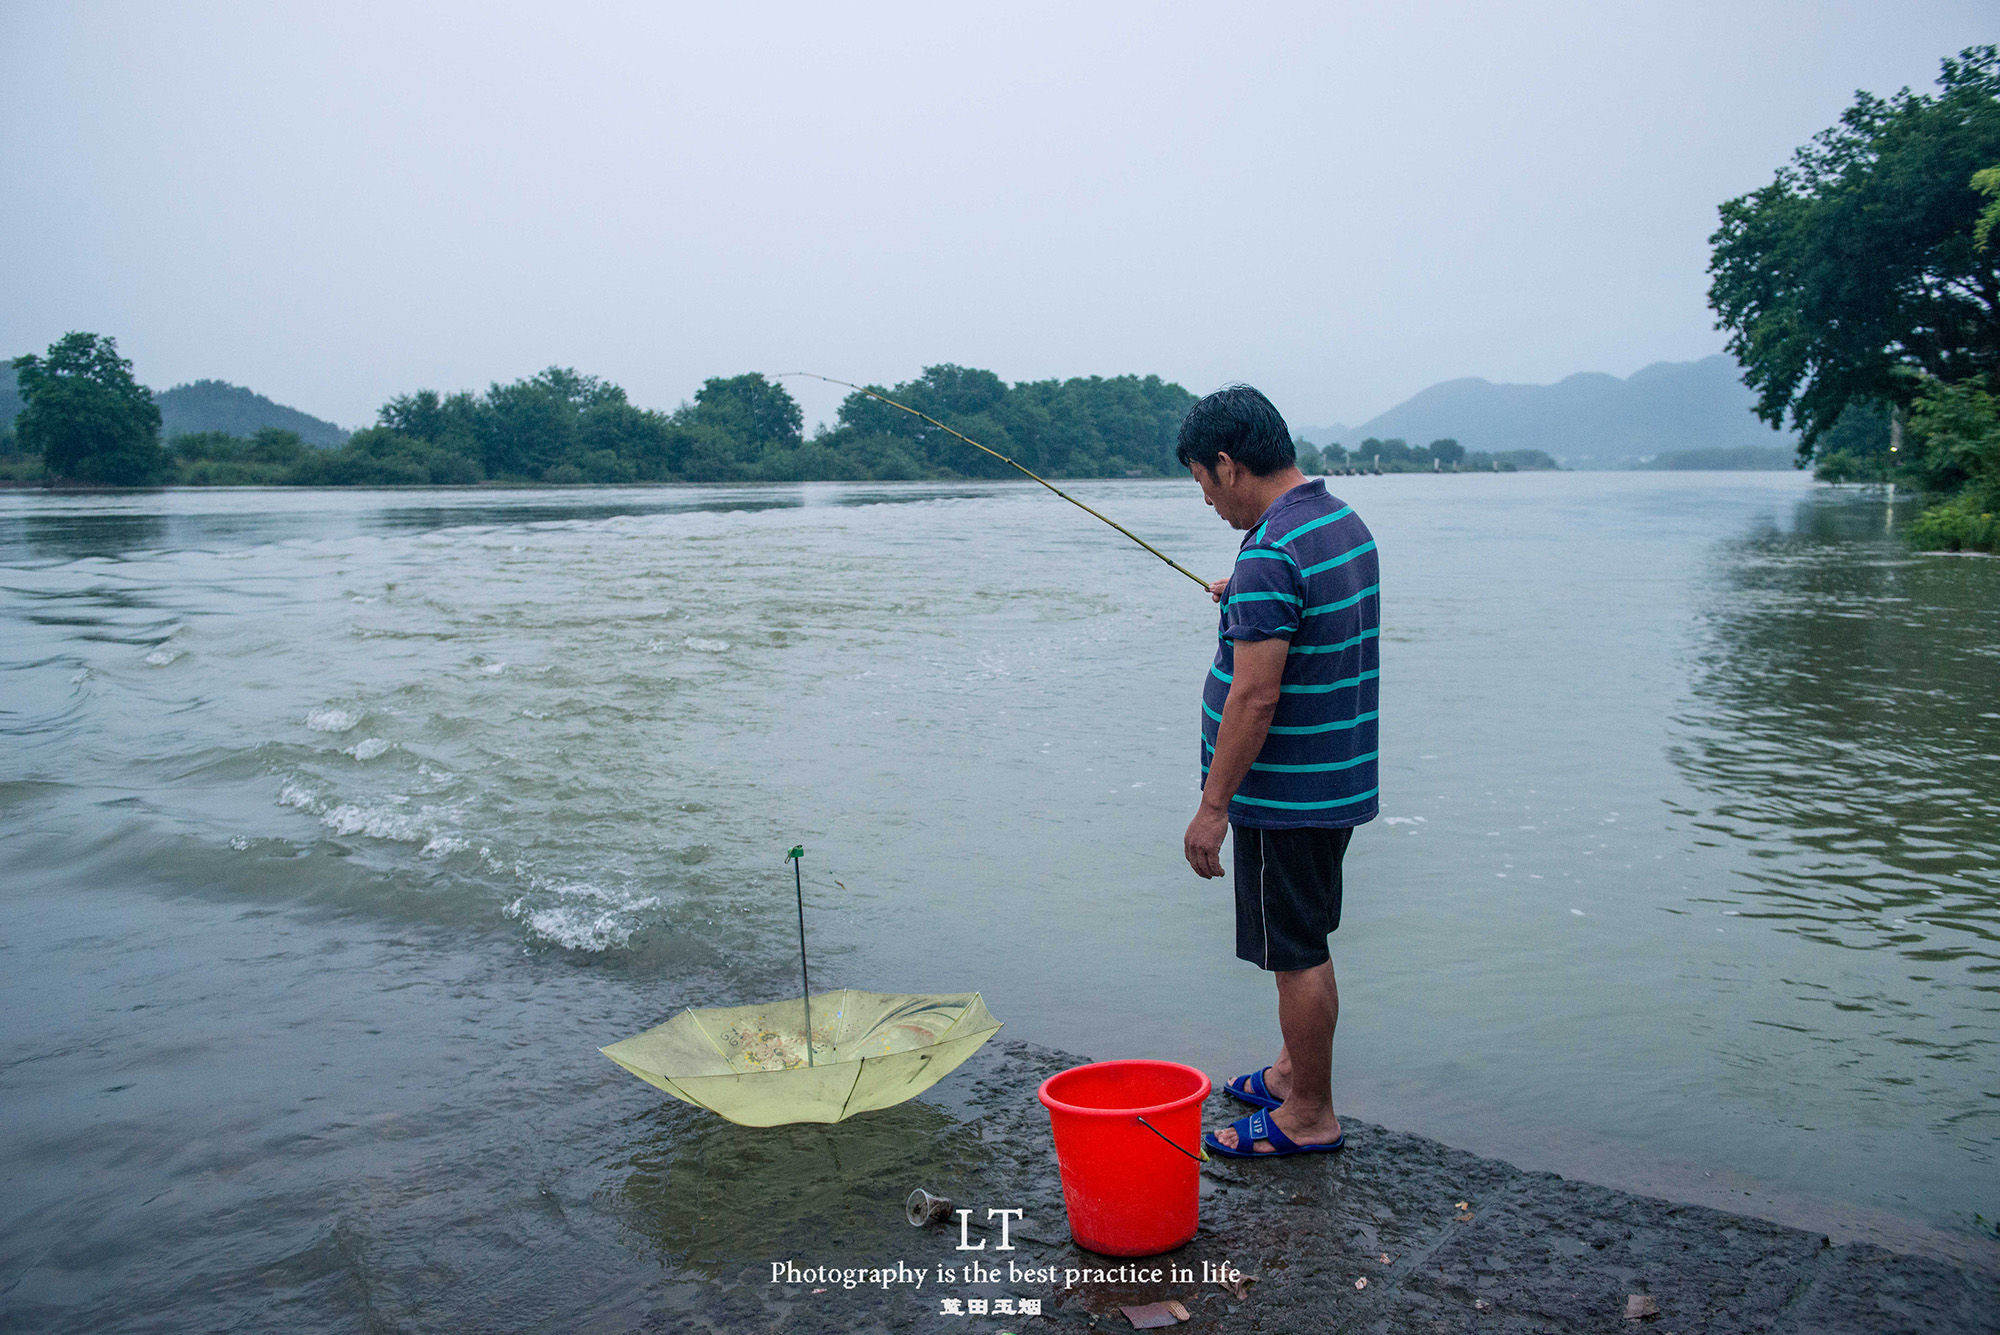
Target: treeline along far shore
{"x":86,"y":420}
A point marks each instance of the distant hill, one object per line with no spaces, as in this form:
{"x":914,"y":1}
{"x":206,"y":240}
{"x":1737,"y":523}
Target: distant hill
{"x":1323,"y":435}
{"x":217,"y":405}
{"x":1590,"y":418}
{"x":206,"y":405}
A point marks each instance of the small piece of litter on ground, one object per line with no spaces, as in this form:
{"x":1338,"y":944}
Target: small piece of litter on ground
{"x":1480,"y":1304}
{"x":1152,"y":1316}
{"x":1463,"y":1205}
{"x":1640,"y":1306}
{"x":1465,"y":1218}
{"x":1238,"y":1288}
{"x":1361,"y":1283}
{"x":1385,"y":1258}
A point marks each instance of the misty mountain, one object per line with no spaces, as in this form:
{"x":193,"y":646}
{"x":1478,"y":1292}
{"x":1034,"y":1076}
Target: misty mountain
{"x":217,"y":405}
{"x":1589,"y":418}
{"x":1323,"y":435}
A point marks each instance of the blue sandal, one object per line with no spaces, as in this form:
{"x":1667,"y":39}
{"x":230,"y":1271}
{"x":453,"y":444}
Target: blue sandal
{"x":1259,"y":1126}
{"x":1252,"y":1090}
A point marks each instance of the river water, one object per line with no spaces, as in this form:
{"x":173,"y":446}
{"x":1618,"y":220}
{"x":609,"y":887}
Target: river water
{"x":339,"y":829}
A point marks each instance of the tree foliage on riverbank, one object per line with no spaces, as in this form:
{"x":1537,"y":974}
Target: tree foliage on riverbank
{"x":1396,"y":455}
{"x":1861,"y":290}
{"x":86,"y":417}
{"x":564,"y":427}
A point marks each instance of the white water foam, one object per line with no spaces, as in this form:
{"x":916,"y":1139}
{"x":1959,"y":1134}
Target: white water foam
{"x":700,"y":645}
{"x":162,"y":656}
{"x":576,"y":915}
{"x":351,"y":818}
{"x":369,"y":749}
{"x":329,"y":718}
{"x":443,"y":846}
{"x":431,"y":827}
{"x":584,"y":916}
{"x":569,"y":913}
{"x":427,"y":826}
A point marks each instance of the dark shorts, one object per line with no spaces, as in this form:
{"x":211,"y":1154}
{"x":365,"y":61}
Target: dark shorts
{"x":1287,"y":895}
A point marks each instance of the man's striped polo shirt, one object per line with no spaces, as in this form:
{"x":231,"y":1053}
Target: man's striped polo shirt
{"x":1307,"y":572}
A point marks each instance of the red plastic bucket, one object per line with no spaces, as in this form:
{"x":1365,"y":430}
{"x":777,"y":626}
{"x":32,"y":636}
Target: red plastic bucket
{"x":1129,"y":1191}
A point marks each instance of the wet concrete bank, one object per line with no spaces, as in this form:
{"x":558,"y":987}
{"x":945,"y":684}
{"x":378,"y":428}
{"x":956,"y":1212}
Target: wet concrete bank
{"x":1371,"y":1239}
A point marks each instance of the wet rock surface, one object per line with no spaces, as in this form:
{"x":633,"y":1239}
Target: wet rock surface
{"x":1526,"y":1252}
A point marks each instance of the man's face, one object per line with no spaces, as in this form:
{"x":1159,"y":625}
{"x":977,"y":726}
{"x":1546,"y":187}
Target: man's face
{"x":1218,"y":488}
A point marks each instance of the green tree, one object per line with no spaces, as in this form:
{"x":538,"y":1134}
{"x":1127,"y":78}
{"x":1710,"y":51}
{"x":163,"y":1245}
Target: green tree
{"x":753,"y":410}
{"x":1448,"y":452}
{"x":1856,"y":270}
{"x":1856,"y":447}
{"x":1987,"y":183}
{"x":218,"y":459}
{"x":87,"y":417}
{"x":1954,"y":437}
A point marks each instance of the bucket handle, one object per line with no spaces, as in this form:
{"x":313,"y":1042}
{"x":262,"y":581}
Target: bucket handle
{"x":1199,"y":1157}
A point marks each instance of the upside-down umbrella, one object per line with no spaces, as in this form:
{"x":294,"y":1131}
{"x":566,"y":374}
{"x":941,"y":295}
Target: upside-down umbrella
{"x":869,"y":1050}
{"x":808,"y":1059}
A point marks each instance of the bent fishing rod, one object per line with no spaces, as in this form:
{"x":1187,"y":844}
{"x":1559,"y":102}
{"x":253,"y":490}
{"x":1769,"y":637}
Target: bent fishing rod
{"x":884,"y":398}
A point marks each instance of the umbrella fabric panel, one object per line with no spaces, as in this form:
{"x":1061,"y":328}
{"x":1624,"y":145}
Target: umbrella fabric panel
{"x":775,"y":1098}
{"x":888,"y":1081}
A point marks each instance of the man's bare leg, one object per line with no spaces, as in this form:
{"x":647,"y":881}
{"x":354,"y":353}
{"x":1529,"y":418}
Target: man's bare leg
{"x":1308,"y":1011}
{"x":1278,"y":1077}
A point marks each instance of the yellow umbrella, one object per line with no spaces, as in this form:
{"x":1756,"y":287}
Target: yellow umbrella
{"x":757,"y":1066}
{"x":749,"y":1063}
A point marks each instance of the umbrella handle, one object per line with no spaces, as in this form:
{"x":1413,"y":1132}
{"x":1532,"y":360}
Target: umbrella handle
{"x":797,"y":857}
{"x":1200,"y":1157}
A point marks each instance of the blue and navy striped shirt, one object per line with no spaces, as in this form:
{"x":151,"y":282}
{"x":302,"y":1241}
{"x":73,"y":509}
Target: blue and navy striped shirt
{"x":1307,"y":572}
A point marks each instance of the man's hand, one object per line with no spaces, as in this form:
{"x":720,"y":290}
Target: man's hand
{"x":1203,"y":842}
{"x":1216,"y":588}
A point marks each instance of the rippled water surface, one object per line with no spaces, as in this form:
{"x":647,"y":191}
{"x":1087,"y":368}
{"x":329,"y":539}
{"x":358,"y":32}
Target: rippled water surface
{"x":337,"y":830}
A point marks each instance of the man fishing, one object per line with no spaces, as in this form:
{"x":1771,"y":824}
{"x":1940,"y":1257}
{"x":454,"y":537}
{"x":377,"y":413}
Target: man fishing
{"x":1288,"y":745}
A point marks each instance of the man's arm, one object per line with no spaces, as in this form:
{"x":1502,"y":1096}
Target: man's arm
{"x":1246,"y":721}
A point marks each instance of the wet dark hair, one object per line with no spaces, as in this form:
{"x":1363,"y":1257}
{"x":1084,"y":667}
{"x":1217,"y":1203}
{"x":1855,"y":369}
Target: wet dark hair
{"x":1237,"y":421}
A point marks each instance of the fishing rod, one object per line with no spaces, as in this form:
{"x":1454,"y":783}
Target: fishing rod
{"x":863,"y":389}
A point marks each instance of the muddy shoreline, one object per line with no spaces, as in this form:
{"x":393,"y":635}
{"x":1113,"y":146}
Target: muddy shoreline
{"x":1531,"y":1252}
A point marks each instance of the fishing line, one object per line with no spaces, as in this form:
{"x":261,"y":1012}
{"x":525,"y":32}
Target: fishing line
{"x":863,"y":389}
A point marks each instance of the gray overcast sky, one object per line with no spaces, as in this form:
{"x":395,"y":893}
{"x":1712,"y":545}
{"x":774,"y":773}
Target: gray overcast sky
{"x":1340,"y":203}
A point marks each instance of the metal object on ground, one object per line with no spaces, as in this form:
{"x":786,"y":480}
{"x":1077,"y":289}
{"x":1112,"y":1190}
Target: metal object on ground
{"x":924,"y":1209}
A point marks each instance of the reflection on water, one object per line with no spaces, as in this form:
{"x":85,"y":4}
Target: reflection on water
{"x":707,"y":1192}
{"x":1846,"y":725}
{"x":1843,"y":736}
{"x":78,"y":535}
{"x":38,"y":528}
